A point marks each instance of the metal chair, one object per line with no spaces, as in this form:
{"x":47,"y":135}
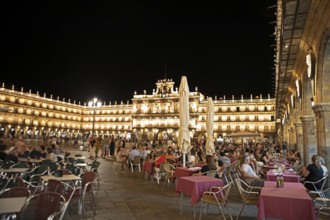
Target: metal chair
{"x":34,"y":175}
{"x":322,"y":206}
{"x":161,"y":172}
{"x":15,"y":192}
{"x":210,"y":173}
{"x":217,"y":196}
{"x":116,"y":162}
{"x":42,"y":206}
{"x":94,"y":168}
{"x":249,"y":197}
{"x":136,"y":162}
{"x":79,"y":193}
{"x":169,"y":175}
{"x":318,"y":190}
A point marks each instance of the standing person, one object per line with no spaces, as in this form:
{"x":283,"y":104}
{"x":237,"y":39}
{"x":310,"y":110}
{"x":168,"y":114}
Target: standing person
{"x":92,"y":143}
{"x":106,"y":143}
{"x":284,"y":148}
{"x":112,"y":146}
{"x":98,"y":147}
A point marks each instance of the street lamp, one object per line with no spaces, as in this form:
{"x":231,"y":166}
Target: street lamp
{"x":94,"y":104}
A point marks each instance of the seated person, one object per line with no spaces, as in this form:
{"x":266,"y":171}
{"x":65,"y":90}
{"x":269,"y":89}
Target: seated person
{"x":134,"y":152}
{"x":26,"y":153}
{"x":324,"y":168}
{"x":313,"y":172}
{"x":248,"y":175}
{"x":160,"y":159}
{"x":181,"y":159}
{"x":210,"y":165}
{"x":2,"y":152}
{"x":43,"y":152}
{"x":221,"y":167}
{"x":151,"y":156}
{"x":51,"y":155}
{"x":170,"y":157}
{"x":35,"y":154}
{"x":11,"y":155}
{"x":224,"y":158}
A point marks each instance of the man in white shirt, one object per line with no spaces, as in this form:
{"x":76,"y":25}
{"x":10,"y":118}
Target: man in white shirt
{"x":248,"y":174}
{"x":133,"y":153}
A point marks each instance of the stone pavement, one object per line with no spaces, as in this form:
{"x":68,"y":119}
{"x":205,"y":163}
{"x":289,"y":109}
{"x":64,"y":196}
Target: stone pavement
{"x":127,"y":195}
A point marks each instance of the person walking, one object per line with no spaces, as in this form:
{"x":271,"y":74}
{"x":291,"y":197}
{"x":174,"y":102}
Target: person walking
{"x":112,"y":146}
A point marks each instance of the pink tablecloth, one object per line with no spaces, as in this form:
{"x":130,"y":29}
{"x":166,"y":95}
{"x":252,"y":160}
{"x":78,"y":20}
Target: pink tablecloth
{"x":149,"y":167}
{"x":232,"y":160}
{"x":288,"y":177}
{"x":195,"y":186}
{"x":287,"y":185}
{"x":184,"y":171}
{"x":283,"y":203}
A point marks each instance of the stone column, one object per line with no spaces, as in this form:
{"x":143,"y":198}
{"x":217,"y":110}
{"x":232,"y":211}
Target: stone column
{"x":322,"y":116}
{"x":309,"y":137}
{"x":299,"y":138}
{"x":292,"y":141}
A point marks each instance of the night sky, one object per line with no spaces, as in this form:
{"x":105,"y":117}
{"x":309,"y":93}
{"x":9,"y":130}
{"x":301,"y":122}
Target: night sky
{"x":109,"y":49}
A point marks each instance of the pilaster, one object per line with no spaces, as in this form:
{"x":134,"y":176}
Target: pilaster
{"x":309,"y":137}
{"x":299,"y":138}
{"x":322,"y":117}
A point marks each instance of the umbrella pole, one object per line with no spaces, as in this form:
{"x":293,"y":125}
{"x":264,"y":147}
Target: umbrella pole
{"x":184,"y":159}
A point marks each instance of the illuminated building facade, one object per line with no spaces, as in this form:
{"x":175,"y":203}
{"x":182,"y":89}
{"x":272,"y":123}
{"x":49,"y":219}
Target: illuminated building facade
{"x":302,"y":65}
{"x":150,"y":116}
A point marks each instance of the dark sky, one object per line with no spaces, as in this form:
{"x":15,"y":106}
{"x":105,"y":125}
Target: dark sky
{"x":109,"y":49}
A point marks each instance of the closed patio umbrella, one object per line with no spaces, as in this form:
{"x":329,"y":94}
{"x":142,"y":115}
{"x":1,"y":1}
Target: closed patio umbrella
{"x":184,"y":135}
{"x":209,"y":127}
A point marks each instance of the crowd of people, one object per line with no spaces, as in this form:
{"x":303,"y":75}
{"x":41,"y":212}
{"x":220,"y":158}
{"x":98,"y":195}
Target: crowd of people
{"x":251,"y":157}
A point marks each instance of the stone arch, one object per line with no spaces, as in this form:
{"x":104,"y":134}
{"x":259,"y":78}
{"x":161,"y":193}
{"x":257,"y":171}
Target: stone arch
{"x":323,"y":69}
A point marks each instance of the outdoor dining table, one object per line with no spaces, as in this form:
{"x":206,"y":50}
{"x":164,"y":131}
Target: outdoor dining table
{"x":11,"y":205}
{"x":288,"y":176}
{"x":14,"y":170}
{"x":29,"y":160}
{"x":287,"y":185}
{"x":285,"y":203}
{"x":67,"y":177}
{"x":184,"y":171}
{"x":148,"y":168}
{"x":195,"y":186}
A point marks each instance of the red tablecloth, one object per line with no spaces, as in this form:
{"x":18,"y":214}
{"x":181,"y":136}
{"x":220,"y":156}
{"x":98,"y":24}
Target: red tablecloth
{"x":288,"y":177}
{"x":195,"y":186}
{"x":283,"y":203}
{"x":287,"y":185}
